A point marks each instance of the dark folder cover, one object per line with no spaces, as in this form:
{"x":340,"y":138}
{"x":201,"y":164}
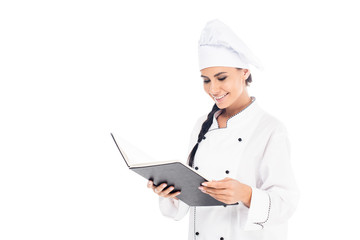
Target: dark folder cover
{"x":174,"y":173}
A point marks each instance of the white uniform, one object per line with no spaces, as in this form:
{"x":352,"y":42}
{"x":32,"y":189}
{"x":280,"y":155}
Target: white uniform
{"x":253,"y":149}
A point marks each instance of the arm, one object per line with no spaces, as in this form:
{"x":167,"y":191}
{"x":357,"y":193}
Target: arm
{"x":173,"y":207}
{"x":170,"y":205}
{"x":275,"y":198}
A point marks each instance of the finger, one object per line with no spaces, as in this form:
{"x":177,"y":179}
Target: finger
{"x":218,"y":197}
{"x":221,"y":198}
{"x":214,"y":191}
{"x":159,"y":188}
{"x":173,"y":195}
{"x":215,"y":184}
{"x":166,"y":191}
{"x":150,"y":184}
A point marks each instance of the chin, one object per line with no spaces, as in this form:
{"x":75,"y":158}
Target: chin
{"x":221,"y":106}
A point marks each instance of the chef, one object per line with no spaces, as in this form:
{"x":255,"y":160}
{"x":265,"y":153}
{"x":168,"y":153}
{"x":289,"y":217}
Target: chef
{"x":244,"y":150}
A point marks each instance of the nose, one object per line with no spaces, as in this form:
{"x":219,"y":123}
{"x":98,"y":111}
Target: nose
{"x":214,"y":88}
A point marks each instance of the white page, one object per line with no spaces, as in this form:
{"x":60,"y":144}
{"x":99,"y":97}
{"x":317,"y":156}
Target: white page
{"x":133,"y":155}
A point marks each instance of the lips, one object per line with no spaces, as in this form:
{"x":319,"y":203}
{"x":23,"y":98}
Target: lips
{"x":220,"y":98}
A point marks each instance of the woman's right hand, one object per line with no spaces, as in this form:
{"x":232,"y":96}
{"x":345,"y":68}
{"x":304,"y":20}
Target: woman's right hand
{"x":161,"y":191}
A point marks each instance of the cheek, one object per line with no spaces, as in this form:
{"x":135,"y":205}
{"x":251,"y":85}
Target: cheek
{"x":236,"y":90}
{"x":229,"y":87}
{"x":239,"y":88}
{"x":206,"y":88}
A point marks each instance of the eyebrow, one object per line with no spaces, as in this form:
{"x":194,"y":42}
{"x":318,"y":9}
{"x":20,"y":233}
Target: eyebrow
{"x":214,"y":75}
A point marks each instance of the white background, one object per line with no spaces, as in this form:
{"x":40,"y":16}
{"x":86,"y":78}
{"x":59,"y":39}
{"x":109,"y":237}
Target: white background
{"x":72,"y":71}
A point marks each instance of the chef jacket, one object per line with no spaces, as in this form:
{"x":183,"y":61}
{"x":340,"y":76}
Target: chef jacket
{"x":254,"y":149}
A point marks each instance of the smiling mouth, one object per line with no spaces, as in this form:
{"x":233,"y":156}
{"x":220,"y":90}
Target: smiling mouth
{"x":221,"y":96}
{"x":217,"y":99}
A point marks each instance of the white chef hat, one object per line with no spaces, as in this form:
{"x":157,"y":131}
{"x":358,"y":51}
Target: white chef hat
{"x":219,"y":46}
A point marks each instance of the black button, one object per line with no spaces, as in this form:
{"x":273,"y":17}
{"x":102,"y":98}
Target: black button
{"x":197,"y":233}
{"x":221,"y":238}
{"x":227,"y":171}
{"x":240,"y":139}
{"x":196,"y":168}
{"x":204,"y":137}
{"x":224,"y":205}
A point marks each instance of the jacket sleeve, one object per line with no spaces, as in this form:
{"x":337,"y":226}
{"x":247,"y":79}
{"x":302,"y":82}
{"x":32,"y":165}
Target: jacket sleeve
{"x":173,"y":208}
{"x":276,"y":196}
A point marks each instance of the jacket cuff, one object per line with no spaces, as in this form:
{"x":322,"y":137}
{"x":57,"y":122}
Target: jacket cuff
{"x":259,"y":210}
{"x":168,"y":207}
{"x":173,"y":208}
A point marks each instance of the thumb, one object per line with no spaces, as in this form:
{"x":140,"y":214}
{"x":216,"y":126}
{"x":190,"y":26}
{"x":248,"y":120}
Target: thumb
{"x":225,"y":179}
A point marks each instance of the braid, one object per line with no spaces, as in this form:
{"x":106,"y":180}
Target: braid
{"x":204,"y":129}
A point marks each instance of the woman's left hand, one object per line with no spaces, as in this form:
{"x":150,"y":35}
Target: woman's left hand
{"x":228,"y":191}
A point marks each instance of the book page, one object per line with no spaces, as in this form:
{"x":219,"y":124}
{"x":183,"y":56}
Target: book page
{"x":133,"y":154}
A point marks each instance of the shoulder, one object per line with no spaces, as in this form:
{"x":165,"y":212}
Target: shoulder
{"x":271,"y":123}
{"x":196,"y":130}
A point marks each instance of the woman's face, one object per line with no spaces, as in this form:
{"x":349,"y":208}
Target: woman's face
{"x":225,"y":85}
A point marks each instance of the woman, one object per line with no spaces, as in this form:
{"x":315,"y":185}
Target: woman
{"x":241,"y":147}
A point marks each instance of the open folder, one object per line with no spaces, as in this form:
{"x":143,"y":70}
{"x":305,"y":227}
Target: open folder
{"x":173,"y":173}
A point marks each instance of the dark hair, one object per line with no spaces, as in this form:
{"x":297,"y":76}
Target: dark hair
{"x":206,"y":125}
{"x":204,"y":129}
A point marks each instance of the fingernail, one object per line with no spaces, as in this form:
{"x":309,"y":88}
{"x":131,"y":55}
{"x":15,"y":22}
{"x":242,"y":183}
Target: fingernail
{"x":164,"y":185}
{"x":204,"y":184}
{"x":201,"y":188}
{"x":171,"y":188}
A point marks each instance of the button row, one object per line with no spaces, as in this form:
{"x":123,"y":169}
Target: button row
{"x":227,"y":171}
{"x":239,"y":139}
{"x":197,"y":233}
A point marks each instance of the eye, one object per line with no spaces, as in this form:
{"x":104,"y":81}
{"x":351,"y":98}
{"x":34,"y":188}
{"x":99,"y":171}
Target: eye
{"x":222,"y":79}
{"x":206,"y":81}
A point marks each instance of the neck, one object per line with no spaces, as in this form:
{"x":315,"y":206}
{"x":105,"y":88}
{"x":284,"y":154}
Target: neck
{"x":238,"y":106}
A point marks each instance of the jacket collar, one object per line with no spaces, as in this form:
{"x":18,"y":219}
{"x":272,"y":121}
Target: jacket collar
{"x":233,"y":120}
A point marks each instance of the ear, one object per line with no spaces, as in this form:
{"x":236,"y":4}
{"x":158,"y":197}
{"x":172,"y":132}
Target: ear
{"x":246,"y":73}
